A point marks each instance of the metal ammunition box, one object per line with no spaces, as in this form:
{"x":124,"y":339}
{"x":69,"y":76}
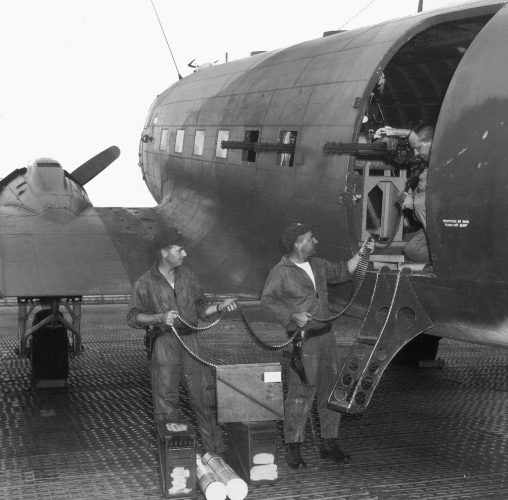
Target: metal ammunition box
{"x":245,"y":440}
{"x":177,"y":457}
{"x":249,"y":393}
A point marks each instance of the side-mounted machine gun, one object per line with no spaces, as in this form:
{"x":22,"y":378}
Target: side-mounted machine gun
{"x":387,"y":144}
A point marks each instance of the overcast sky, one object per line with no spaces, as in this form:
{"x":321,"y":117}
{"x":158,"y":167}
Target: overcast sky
{"x":79,"y":75}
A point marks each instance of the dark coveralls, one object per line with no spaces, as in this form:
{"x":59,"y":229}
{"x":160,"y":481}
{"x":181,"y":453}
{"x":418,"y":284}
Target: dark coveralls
{"x":288,"y":289}
{"x":170,"y":363}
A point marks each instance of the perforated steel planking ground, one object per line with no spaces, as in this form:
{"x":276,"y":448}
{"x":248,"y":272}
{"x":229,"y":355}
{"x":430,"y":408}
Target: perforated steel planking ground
{"x":440,"y":434}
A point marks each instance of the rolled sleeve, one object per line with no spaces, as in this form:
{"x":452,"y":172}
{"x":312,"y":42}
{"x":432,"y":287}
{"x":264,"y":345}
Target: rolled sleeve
{"x":138,"y":304}
{"x":201,"y":304}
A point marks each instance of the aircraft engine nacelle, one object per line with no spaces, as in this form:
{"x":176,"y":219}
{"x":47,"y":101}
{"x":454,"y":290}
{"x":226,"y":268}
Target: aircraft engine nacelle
{"x":42,"y":188}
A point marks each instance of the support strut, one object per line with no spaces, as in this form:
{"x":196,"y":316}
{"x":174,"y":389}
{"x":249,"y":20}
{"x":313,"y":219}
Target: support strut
{"x":54,"y":334}
{"x":394,"y":317}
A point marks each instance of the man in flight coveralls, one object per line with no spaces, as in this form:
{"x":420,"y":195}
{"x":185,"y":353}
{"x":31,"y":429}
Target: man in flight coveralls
{"x":296,"y":292}
{"x":167,"y":290}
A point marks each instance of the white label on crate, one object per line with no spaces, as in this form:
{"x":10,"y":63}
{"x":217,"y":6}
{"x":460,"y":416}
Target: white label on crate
{"x":272,"y":377}
{"x":172,"y":427}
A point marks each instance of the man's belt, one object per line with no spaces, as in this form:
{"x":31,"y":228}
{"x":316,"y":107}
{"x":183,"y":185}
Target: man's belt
{"x":154,"y":332}
{"x":317,"y":330}
{"x":182,"y":329}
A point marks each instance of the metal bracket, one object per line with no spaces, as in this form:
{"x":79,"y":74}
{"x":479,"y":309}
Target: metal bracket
{"x":27,"y":305}
{"x":394,"y":317}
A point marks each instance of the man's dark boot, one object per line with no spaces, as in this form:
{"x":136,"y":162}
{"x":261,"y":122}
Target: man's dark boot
{"x":294,"y":457}
{"x":330,"y":449}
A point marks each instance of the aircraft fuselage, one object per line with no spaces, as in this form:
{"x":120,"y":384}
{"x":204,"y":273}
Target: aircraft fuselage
{"x":276,"y":111}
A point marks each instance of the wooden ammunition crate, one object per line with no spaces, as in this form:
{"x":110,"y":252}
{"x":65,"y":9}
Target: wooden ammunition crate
{"x":249,"y":392}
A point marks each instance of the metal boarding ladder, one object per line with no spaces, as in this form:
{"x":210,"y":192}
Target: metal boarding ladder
{"x":393,"y":318}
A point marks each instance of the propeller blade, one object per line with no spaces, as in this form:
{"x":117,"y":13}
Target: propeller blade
{"x":94,"y":166}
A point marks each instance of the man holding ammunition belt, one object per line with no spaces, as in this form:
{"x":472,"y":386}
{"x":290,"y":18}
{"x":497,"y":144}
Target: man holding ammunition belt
{"x":167,"y":291}
{"x":296,"y":291}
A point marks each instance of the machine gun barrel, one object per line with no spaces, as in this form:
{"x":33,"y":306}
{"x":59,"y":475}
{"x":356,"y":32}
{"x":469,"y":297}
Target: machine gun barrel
{"x":363,"y":151}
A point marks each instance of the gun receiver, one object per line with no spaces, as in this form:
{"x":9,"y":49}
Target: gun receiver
{"x":395,"y":151}
{"x":389,"y":145}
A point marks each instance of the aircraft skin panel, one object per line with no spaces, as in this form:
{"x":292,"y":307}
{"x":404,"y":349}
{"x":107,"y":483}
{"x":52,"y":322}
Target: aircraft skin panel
{"x":204,"y":89}
{"x":266,"y":72}
{"x":349,"y":65}
{"x":244,"y":109}
{"x":267,"y":77}
{"x":204,"y":84}
{"x":208,"y":115}
{"x":243,"y":212}
{"x":288,"y":106}
{"x":324,"y":102}
{"x":323,"y":169}
{"x":92,"y":253}
{"x":468,"y":178}
{"x":181,"y":111}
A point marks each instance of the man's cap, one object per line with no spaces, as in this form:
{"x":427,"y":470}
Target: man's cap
{"x":291,"y":233}
{"x":166,"y":238}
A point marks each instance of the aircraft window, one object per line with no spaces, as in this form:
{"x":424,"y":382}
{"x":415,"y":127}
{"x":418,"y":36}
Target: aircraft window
{"x":199,"y":142}
{"x":220,"y":152}
{"x":250,"y":154}
{"x":180,"y":133}
{"x":164,"y":143}
{"x":286,"y":159}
